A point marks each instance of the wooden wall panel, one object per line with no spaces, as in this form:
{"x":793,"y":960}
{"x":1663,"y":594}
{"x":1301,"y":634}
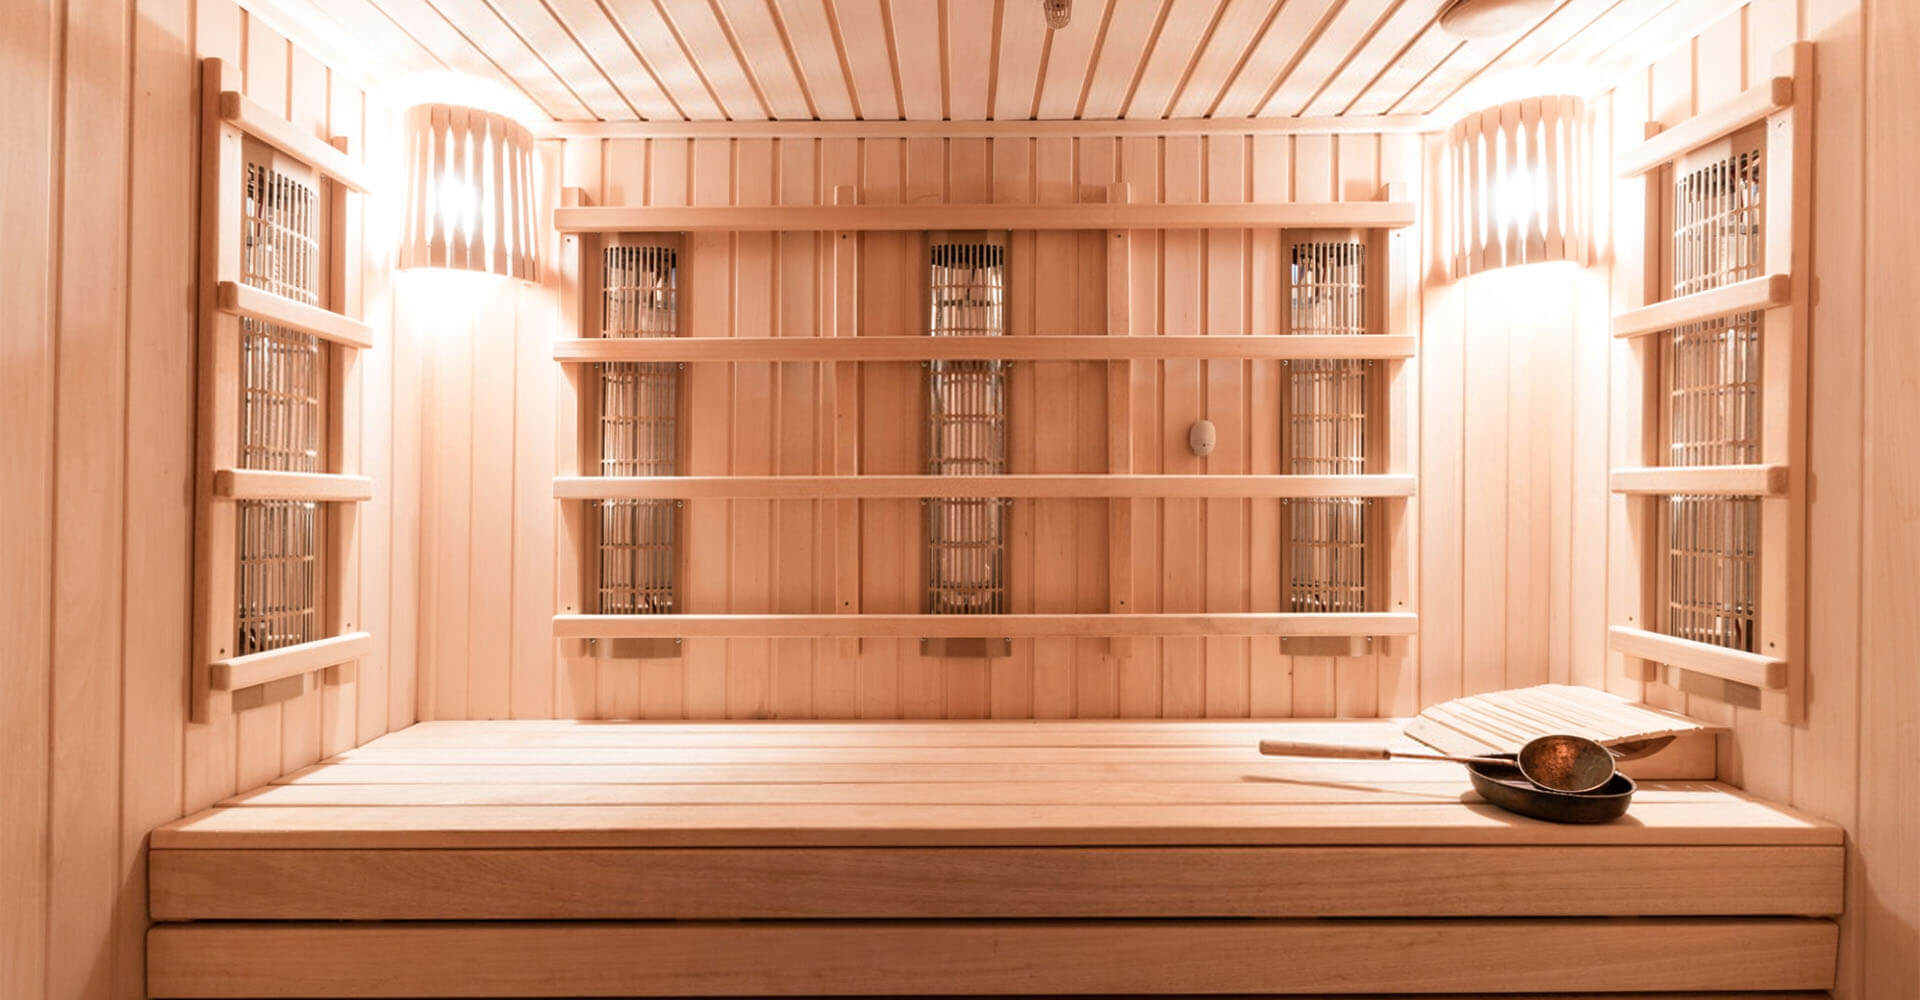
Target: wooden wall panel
{"x":1862,"y":545}
{"x":747,"y":556}
{"x":99,"y":128}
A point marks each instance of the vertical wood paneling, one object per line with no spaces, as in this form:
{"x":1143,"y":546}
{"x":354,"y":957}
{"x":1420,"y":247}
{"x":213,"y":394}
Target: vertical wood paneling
{"x":98,"y":394}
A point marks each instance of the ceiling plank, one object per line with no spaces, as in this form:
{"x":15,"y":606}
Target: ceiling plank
{"x":1023,"y":34}
{"x":451,"y":49}
{"x":639,"y":22}
{"x":1380,"y":52}
{"x":969,"y":59}
{"x":1618,"y":22}
{"x":863,"y":41}
{"x":1227,"y":49}
{"x":1407,"y":72}
{"x":712,"y":51}
{"x":1273,"y":56}
{"x":917,"y":54}
{"x":1070,"y":57}
{"x":811,"y":35}
{"x":1356,"y":22}
{"x":1664,"y":31}
{"x":616,"y":58}
{"x":1123,"y":56}
{"x":481,"y":26}
{"x":558,"y":50}
{"x":349,"y":35}
{"x":1533,"y":49}
{"x":762,"y":43}
{"x":1172,"y":55}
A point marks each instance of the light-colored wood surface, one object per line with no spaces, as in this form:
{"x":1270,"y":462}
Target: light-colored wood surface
{"x":1005,"y":883}
{"x":328,"y":325}
{"x":259,"y":484}
{"x":270,"y":125}
{"x":823,"y":785}
{"x":959,"y":216}
{"x":1023,"y":626}
{"x":1750,"y":105}
{"x":1718,"y":480}
{"x":1764,"y":292}
{"x":101,"y":207}
{"x":273,"y":664}
{"x":1057,"y":486}
{"x":1059,"y":957}
{"x":1037,"y":348}
{"x":1119,"y":63}
{"x":1737,"y":665}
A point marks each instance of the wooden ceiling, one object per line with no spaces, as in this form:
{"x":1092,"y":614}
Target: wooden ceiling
{"x":973,"y":60}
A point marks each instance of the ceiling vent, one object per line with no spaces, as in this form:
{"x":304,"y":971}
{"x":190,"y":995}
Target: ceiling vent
{"x":1490,"y":18}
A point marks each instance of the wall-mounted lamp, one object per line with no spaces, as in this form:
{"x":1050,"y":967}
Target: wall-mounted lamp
{"x":1518,"y":175}
{"x":469,"y":193}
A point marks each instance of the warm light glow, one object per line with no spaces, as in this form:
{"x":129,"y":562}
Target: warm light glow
{"x":469,"y":193}
{"x":1517,"y":185}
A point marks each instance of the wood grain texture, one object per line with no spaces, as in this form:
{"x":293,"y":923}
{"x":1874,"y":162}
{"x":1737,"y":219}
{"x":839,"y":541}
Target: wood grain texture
{"x":102,"y":142}
{"x":261,"y":960}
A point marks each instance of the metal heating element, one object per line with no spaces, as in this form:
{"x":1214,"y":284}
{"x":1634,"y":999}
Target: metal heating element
{"x":1711,"y":372}
{"x":967,"y":430}
{"x":639,"y":433}
{"x":1326,"y":431}
{"x":283,"y":380}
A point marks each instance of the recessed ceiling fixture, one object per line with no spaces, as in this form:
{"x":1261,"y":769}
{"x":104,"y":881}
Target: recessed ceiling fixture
{"x":1059,"y":12}
{"x":469,"y":192}
{"x":1490,"y":18}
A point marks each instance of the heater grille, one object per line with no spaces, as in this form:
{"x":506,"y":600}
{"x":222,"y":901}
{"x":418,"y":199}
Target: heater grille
{"x":967,"y":431}
{"x":1711,"y":372}
{"x":283,"y":379}
{"x":1327,"y":404}
{"x":639,"y":433}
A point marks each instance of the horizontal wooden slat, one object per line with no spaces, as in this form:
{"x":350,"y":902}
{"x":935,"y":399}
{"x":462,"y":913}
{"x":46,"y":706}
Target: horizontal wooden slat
{"x":1006,"y":128}
{"x":260,"y":668}
{"x":256,"y":303}
{"x":990,"y":626}
{"x":1740,"y":666}
{"x":1764,"y":292}
{"x":1730,"y":822}
{"x":1037,"y":348}
{"x":262,"y":124}
{"x":1702,"y":480}
{"x":1743,"y":109}
{"x":261,"y":484}
{"x":1062,"y":486}
{"x":1220,"y":786}
{"x":1028,"y":883}
{"x":1010,"y":215}
{"x":924,"y":958}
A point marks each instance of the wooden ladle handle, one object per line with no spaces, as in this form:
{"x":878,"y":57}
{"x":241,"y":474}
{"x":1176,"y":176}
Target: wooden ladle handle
{"x":1288,"y":748}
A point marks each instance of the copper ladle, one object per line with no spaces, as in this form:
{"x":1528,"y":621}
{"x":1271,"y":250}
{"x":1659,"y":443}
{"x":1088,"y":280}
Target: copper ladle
{"x":1561,"y":763}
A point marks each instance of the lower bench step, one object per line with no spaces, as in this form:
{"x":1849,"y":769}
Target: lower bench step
{"x":942,"y":958}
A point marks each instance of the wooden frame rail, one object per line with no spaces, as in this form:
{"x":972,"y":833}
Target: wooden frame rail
{"x":260,"y":304}
{"x":1092,"y":347}
{"x":1701,"y":480}
{"x":1762,"y":100}
{"x":244,"y":114}
{"x":902,"y":218}
{"x":1021,"y":486}
{"x":1775,"y":665}
{"x":220,"y":680}
{"x":1011,"y":626}
{"x":1764,"y":292}
{"x":262,"y":484}
{"x":1739,"y":666}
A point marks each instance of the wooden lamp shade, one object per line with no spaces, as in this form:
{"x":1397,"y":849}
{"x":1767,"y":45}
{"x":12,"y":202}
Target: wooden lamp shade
{"x":469,"y":192}
{"x":1518,"y":184}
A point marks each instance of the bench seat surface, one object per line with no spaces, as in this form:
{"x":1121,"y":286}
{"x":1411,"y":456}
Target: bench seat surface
{"x":482,"y":841}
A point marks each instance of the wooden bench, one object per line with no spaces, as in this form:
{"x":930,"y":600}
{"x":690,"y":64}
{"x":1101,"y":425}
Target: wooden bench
{"x":469,"y":859}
